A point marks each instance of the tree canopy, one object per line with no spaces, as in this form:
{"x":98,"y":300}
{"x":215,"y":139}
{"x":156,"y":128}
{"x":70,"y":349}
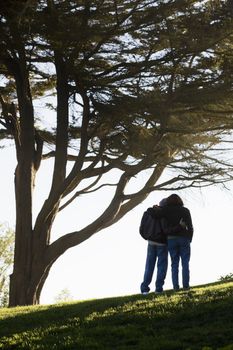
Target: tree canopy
{"x":110,"y":85}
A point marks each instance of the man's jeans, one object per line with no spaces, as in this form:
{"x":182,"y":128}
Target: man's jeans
{"x":160,"y":253}
{"x":179,"y":247}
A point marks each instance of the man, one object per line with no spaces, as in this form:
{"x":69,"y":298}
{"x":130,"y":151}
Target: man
{"x":156,"y":251}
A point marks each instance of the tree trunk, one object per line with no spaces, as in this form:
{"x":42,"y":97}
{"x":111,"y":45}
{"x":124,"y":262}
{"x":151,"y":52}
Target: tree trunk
{"x":24,"y":180}
{"x":25,"y":289}
{"x":23,"y":236}
{"x":30,"y":266}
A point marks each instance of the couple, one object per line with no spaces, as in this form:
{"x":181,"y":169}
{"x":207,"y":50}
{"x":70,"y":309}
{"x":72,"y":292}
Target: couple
{"x":177,"y":227}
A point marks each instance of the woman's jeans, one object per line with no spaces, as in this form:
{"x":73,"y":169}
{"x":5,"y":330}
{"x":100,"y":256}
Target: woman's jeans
{"x":159,"y":253}
{"x":179,"y":247}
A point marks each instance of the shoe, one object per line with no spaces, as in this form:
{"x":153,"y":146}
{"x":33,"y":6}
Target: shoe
{"x":186,"y":288}
{"x":158,"y":292}
{"x":145,"y":293}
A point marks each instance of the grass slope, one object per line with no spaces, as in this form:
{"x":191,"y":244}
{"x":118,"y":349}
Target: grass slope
{"x":201,"y":318}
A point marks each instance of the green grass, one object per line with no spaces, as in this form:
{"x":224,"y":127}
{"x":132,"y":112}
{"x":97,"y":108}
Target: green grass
{"x":201,"y":318}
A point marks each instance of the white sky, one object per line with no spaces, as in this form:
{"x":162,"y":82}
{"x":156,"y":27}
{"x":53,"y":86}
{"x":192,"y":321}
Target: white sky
{"x":111,"y":263}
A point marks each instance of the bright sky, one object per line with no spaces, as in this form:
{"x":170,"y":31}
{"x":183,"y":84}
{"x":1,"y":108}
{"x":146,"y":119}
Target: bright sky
{"x":112,"y":262}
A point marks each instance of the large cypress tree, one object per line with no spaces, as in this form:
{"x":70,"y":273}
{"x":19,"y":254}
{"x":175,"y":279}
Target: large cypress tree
{"x":136,"y":85}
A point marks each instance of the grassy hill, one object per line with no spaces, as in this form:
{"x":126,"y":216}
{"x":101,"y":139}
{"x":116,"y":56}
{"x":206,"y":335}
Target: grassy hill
{"x":201,"y":318}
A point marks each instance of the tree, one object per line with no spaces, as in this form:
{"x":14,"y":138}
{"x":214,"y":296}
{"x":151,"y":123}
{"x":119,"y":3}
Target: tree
{"x":6,"y":261}
{"x":138,"y":85}
{"x":63,"y":296}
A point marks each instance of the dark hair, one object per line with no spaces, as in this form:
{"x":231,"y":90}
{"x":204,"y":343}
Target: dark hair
{"x":174,"y":199}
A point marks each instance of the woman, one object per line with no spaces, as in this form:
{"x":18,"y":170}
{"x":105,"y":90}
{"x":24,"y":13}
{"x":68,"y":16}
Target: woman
{"x":179,"y":236}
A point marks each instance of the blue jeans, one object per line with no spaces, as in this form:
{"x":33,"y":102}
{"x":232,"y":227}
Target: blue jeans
{"x":179,"y":247}
{"x":160,"y":253}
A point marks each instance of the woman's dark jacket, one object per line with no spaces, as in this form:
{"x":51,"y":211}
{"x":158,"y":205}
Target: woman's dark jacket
{"x":173,"y":214}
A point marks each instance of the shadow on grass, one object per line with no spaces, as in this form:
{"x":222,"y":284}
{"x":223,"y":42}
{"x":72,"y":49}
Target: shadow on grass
{"x":184,"y":320}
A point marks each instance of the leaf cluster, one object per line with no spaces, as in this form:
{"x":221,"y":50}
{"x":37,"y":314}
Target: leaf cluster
{"x":146,"y":82}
